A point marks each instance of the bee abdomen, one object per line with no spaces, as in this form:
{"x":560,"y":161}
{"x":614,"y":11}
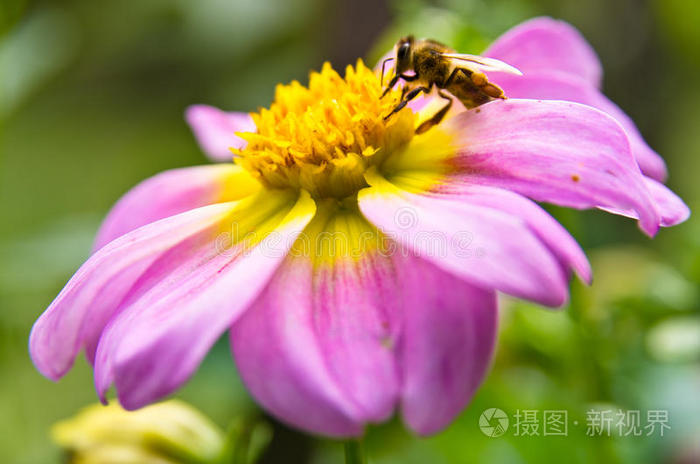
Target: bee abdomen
{"x":474,"y":90}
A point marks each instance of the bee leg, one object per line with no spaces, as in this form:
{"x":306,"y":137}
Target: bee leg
{"x":409,"y":96}
{"x":452,"y":76}
{"x":390,"y":85}
{"x":395,"y":79}
{"x":437,"y":117}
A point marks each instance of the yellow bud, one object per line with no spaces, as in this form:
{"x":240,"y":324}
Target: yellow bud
{"x":168,"y":432}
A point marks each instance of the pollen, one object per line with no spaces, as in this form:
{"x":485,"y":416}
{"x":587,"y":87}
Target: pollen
{"x":322,"y":138}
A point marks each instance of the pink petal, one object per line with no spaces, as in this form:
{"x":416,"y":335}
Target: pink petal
{"x":76,"y":318}
{"x":174,"y":192}
{"x":671,"y":208}
{"x":558,"y":152}
{"x":162,"y":334}
{"x":484,"y":246}
{"x":325,"y":346}
{"x":446,"y":345}
{"x":215,"y":130}
{"x":553,"y":234}
{"x":547,"y":45}
{"x":559,"y":86}
{"x":321,"y":338}
{"x":282,"y":355}
{"x":669,"y":205}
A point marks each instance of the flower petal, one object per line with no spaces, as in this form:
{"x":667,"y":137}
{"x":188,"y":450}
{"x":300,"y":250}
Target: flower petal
{"x":558,"y":152}
{"x":317,"y":348}
{"x":174,"y":192}
{"x":672,"y":209}
{"x":670,"y":206}
{"x":162,"y":334}
{"x":547,"y":45}
{"x":215,"y":130}
{"x":76,"y":318}
{"x":446,"y":345}
{"x":484,"y":246}
{"x":553,"y":234}
{"x":325,"y":346}
{"x":559,"y":86}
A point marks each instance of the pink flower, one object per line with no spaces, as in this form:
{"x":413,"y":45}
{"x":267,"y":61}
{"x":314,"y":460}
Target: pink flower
{"x":354,"y":263}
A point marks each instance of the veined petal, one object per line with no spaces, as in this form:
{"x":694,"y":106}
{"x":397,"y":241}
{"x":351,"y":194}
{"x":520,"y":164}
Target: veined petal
{"x":484,"y":246}
{"x":561,"y":86}
{"x":351,"y":325}
{"x":558,"y":152}
{"x":317,"y":349}
{"x":215,"y":130}
{"x":446,"y":344}
{"x":174,"y":317}
{"x":76,"y":318}
{"x":671,"y":208}
{"x":547,"y":45}
{"x":174,"y":192}
{"x":553,"y":234}
{"x":420,"y":169}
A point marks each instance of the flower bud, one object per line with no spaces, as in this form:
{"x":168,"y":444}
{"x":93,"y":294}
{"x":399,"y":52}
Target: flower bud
{"x":167,"y":432}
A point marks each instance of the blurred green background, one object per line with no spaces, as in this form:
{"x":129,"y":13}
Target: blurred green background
{"x":91,"y":102}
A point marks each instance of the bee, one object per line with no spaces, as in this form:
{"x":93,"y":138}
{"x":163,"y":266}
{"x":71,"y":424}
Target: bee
{"x":424,"y":64}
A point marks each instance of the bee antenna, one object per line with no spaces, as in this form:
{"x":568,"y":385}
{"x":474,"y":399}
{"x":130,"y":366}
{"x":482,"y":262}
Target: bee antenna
{"x":384,"y":63}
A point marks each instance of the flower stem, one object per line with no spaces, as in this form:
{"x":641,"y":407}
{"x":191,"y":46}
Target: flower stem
{"x":354,"y":452}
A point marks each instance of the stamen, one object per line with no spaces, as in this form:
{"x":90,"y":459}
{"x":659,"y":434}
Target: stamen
{"x":323,"y":137}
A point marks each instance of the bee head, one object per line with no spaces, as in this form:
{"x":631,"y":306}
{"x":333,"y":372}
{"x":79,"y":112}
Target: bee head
{"x":404,"y":49}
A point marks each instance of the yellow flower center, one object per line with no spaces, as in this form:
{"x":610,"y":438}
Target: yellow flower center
{"x":322,"y":138}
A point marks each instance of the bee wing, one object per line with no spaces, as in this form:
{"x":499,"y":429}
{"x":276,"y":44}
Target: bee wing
{"x":482,"y":63}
